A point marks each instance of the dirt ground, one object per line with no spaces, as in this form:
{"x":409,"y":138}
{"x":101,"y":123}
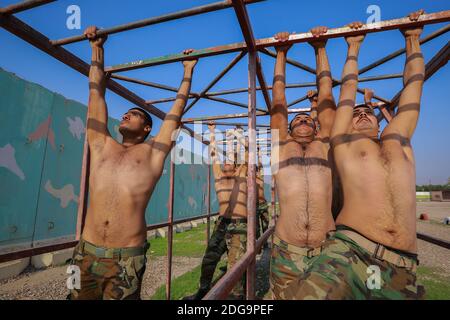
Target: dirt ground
{"x":50,"y":284}
{"x":431,"y":255}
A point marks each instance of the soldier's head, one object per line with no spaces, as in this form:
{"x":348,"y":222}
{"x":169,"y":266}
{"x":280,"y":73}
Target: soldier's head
{"x":303,"y":128}
{"x":136,"y":124}
{"x":229,"y":168}
{"x":365,"y":120}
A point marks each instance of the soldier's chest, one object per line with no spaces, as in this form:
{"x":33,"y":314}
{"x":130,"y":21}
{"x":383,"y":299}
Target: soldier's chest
{"x":122,"y":162}
{"x":295,"y":157}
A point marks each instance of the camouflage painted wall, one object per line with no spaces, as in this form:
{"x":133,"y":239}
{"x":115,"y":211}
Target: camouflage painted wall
{"x":41,"y":144}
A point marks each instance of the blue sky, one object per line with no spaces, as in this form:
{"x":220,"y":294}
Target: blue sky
{"x":431,"y":144}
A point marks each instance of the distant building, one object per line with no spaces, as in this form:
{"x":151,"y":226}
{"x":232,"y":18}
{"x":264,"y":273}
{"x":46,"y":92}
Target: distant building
{"x":440,"y":195}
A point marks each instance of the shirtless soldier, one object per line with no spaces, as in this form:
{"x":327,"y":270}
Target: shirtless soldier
{"x":230,"y":231}
{"x":111,"y":252}
{"x":376,"y":229}
{"x":302,"y":172}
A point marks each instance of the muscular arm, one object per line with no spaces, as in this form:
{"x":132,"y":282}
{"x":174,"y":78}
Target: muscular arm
{"x":344,"y":113}
{"x":163,"y":141}
{"x":404,"y":123}
{"x":279,"y":112}
{"x":97,"y":130}
{"x":326,"y":107}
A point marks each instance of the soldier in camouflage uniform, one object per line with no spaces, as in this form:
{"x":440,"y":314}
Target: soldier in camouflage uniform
{"x":108,"y":274}
{"x":122,"y":176}
{"x":347,"y":270}
{"x":262,"y":217}
{"x":262,"y":210}
{"x":230,"y":232}
{"x":373,"y":254}
{"x":236,"y":239}
{"x":287,"y":264}
{"x":302,"y":167}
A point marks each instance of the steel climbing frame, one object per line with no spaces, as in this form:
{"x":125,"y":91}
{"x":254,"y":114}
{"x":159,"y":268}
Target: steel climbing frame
{"x":252,"y":47}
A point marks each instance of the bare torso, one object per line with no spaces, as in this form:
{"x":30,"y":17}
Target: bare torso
{"x":232,"y":194}
{"x":121,"y":182}
{"x":379,"y":190}
{"x":304,"y":187}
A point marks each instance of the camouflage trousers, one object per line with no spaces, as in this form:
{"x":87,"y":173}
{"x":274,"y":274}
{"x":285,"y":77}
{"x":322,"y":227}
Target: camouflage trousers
{"x":287,"y":264}
{"x":229,"y":236}
{"x":111,"y":274}
{"x":346,"y":271}
{"x":262,"y":218}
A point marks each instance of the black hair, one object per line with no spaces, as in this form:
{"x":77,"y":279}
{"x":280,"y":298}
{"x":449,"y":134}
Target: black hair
{"x":364,"y":105}
{"x":147,"y":119}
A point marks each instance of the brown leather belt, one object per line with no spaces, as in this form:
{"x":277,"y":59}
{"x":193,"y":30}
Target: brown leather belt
{"x":303,"y":251}
{"x":380,"y":252}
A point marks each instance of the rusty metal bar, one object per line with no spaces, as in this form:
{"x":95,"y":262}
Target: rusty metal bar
{"x":216,"y":79}
{"x":246,"y":28}
{"x":208,"y":201}
{"x":230,"y":102}
{"x":24,"y":5}
{"x":403,"y":50}
{"x":38,"y":40}
{"x":292,"y":62}
{"x":288,"y":86}
{"x":439,"y":242}
{"x":226,"y":116}
{"x":251,"y":176}
{"x":36,"y":251}
{"x":335,"y":82}
{"x":70,"y":244}
{"x":235,"y":124}
{"x":224,"y":286}
{"x":405,"y":22}
{"x":301,"y":85}
{"x":233,"y":103}
{"x":154,"y":20}
{"x":385,"y":113}
{"x":263,"y":84}
{"x":432,"y":18}
{"x":84,"y":187}
{"x":170,"y":229}
{"x":238,"y":115}
{"x":150,"y":84}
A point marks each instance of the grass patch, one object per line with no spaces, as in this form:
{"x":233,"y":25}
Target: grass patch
{"x":437,"y":286}
{"x":186,"y":285}
{"x":191,"y":243}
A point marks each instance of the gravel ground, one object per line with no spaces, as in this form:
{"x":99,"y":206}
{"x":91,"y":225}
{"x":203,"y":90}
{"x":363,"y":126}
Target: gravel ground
{"x":431,"y":255}
{"x":50,"y":284}
{"x":436,"y":210}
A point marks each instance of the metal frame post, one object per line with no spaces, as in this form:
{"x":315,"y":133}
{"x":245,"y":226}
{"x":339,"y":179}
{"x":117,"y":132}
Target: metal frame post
{"x":170,"y":229}
{"x":84,"y":187}
{"x":208,"y":201}
{"x":251,"y":176}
